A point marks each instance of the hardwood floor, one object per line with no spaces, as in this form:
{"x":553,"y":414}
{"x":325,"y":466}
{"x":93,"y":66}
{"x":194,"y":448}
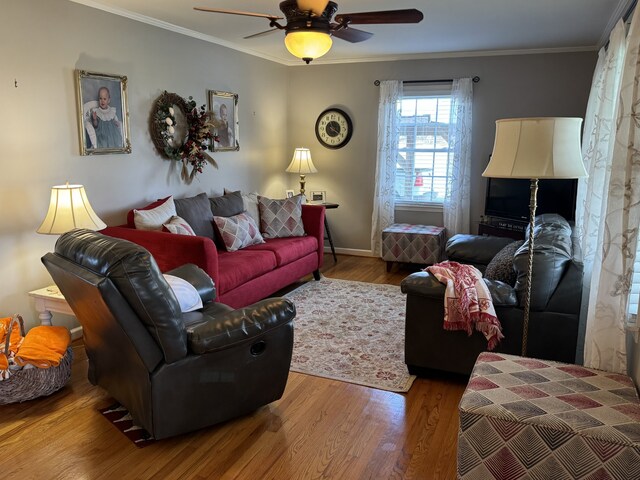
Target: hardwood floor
{"x":319,"y":429}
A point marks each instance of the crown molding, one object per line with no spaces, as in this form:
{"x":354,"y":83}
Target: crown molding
{"x":294,"y":62}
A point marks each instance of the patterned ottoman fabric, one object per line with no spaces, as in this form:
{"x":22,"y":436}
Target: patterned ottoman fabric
{"x":537,"y":419}
{"x":402,"y":242}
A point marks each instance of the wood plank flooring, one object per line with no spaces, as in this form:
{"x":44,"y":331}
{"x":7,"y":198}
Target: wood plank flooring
{"x":319,"y":429}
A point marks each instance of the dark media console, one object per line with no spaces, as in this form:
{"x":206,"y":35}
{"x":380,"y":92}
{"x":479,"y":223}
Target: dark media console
{"x":502,"y":227}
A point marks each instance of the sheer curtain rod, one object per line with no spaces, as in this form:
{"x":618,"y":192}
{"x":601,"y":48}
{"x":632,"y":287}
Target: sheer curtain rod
{"x":475,"y":79}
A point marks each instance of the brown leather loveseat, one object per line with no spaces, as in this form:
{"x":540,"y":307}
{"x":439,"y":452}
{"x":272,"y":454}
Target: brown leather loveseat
{"x":555,"y":302}
{"x":175,"y":372}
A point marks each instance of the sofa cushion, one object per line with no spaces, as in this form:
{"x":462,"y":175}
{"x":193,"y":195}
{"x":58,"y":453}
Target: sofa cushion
{"x":227,"y":205}
{"x":178,"y":225}
{"x":130,"y":221}
{"x":501,"y":266}
{"x":281,"y":218}
{"x":552,"y":250}
{"x":250,"y":203}
{"x":237,"y":268}
{"x":197,"y":212}
{"x":154,"y":218}
{"x":238,"y":231}
{"x":289,"y":249}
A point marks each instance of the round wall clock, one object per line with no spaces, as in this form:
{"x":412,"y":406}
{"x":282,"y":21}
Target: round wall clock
{"x":334,"y":128}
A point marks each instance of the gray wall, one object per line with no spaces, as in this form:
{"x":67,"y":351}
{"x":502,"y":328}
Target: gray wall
{"x":510,"y":86}
{"x":42,"y":42}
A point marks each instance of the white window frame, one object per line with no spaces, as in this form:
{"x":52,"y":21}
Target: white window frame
{"x":418,"y":91}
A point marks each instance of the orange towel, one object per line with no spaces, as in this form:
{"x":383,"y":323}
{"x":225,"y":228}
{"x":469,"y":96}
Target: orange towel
{"x":43,"y":346}
{"x":4,"y":362}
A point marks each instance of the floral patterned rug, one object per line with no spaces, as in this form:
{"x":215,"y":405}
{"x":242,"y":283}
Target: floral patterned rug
{"x":351,"y":331}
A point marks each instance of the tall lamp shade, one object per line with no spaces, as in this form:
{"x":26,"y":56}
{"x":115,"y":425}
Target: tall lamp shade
{"x":69,"y":208}
{"x":535,"y":148}
{"x":301,"y":164}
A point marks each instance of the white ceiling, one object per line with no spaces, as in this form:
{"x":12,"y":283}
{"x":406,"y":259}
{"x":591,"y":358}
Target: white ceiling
{"x":449,"y":28}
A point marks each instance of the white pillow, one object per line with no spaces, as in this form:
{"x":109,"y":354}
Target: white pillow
{"x":154,"y":218}
{"x":187,"y":295}
{"x":179,"y":226}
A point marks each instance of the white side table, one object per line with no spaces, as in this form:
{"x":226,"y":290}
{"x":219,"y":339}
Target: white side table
{"x":49,"y":299}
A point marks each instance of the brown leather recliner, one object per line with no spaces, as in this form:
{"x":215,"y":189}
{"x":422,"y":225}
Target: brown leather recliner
{"x":175,"y":372}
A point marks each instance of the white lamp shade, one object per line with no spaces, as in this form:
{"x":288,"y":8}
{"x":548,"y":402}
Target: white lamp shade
{"x":69,"y":208}
{"x":308,"y":44}
{"x":537,"y":148}
{"x":301,"y":162}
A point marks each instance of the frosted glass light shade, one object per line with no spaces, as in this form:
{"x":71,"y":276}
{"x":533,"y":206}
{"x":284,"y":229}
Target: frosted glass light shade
{"x":537,"y":148}
{"x":308,"y":44}
{"x":69,"y":208}
{"x":301,"y":162}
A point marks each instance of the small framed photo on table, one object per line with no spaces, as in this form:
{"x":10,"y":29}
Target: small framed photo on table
{"x":289,"y":193}
{"x":319,"y":197}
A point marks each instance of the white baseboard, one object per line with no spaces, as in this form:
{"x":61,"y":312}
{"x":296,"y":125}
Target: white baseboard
{"x":351,"y":251}
{"x":76,"y":333}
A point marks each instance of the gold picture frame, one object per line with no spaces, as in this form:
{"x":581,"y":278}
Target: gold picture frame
{"x":103,"y":113}
{"x":223,"y":108}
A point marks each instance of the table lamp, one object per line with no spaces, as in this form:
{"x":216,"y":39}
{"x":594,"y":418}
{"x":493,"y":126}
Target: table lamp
{"x":301,"y":164}
{"x":535,"y":148}
{"x":69,"y":208}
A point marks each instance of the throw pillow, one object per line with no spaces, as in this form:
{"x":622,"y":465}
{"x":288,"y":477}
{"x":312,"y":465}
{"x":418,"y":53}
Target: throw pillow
{"x":179,"y":226}
{"x":238,"y":231}
{"x":154,"y":218}
{"x":281,"y":218}
{"x":501,"y":266}
{"x":197,"y":213}
{"x":250,"y":203}
{"x":187,"y":295}
{"x":130,"y":215}
{"x":227,"y":205}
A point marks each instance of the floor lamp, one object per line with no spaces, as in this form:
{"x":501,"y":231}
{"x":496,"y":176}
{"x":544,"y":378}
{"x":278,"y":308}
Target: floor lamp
{"x":535,"y":148}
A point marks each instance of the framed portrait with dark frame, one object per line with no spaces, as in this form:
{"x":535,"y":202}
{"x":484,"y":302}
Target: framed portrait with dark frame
{"x":103,"y":113}
{"x":223,"y":107}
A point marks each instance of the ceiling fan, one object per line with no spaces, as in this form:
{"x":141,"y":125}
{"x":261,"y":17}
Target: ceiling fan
{"x":309,"y":27}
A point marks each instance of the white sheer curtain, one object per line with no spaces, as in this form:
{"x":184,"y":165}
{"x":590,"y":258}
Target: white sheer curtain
{"x":388,"y":127}
{"x":609,"y":200}
{"x":457,"y":202}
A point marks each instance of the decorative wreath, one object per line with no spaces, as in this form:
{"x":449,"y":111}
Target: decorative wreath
{"x":192,"y":150}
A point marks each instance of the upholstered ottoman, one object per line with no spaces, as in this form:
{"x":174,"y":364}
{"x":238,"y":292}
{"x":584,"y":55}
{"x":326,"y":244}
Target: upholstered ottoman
{"x":534,"y":419}
{"x":422,"y":244}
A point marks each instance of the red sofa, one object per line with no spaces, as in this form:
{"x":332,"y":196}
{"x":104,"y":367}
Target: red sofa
{"x":244,"y":276}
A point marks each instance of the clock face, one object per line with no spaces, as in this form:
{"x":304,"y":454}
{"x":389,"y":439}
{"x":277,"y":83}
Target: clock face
{"x":334,"y":128}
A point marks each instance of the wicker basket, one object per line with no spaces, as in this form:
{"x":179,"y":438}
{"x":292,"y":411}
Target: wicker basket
{"x":27,"y":384}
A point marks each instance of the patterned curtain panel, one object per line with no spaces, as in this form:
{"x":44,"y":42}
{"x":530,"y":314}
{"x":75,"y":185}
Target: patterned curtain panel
{"x":609,"y":200}
{"x":457,"y":201}
{"x":388,"y":127}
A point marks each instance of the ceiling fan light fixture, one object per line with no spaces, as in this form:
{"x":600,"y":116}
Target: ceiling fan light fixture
{"x":308,"y":44}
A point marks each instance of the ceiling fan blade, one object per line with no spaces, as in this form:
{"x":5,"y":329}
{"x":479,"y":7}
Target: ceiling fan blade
{"x":352,"y":35}
{"x":410,"y":15}
{"x":315,"y":6}
{"x":238,"y":12}
{"x":259,"y":34}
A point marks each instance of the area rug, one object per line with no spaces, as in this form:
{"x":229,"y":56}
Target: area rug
{"x":351,"y":331}
{"x":120,"y":418}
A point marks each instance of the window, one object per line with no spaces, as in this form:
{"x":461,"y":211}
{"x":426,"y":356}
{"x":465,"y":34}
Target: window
{"x":422,"y":170}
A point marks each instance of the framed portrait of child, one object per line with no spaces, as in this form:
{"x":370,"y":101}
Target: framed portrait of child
{"x":223,"y":109}
{"x":103,"y":113}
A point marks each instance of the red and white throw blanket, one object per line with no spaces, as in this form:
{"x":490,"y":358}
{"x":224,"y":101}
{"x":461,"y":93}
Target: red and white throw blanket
{"x":468,"y":302}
